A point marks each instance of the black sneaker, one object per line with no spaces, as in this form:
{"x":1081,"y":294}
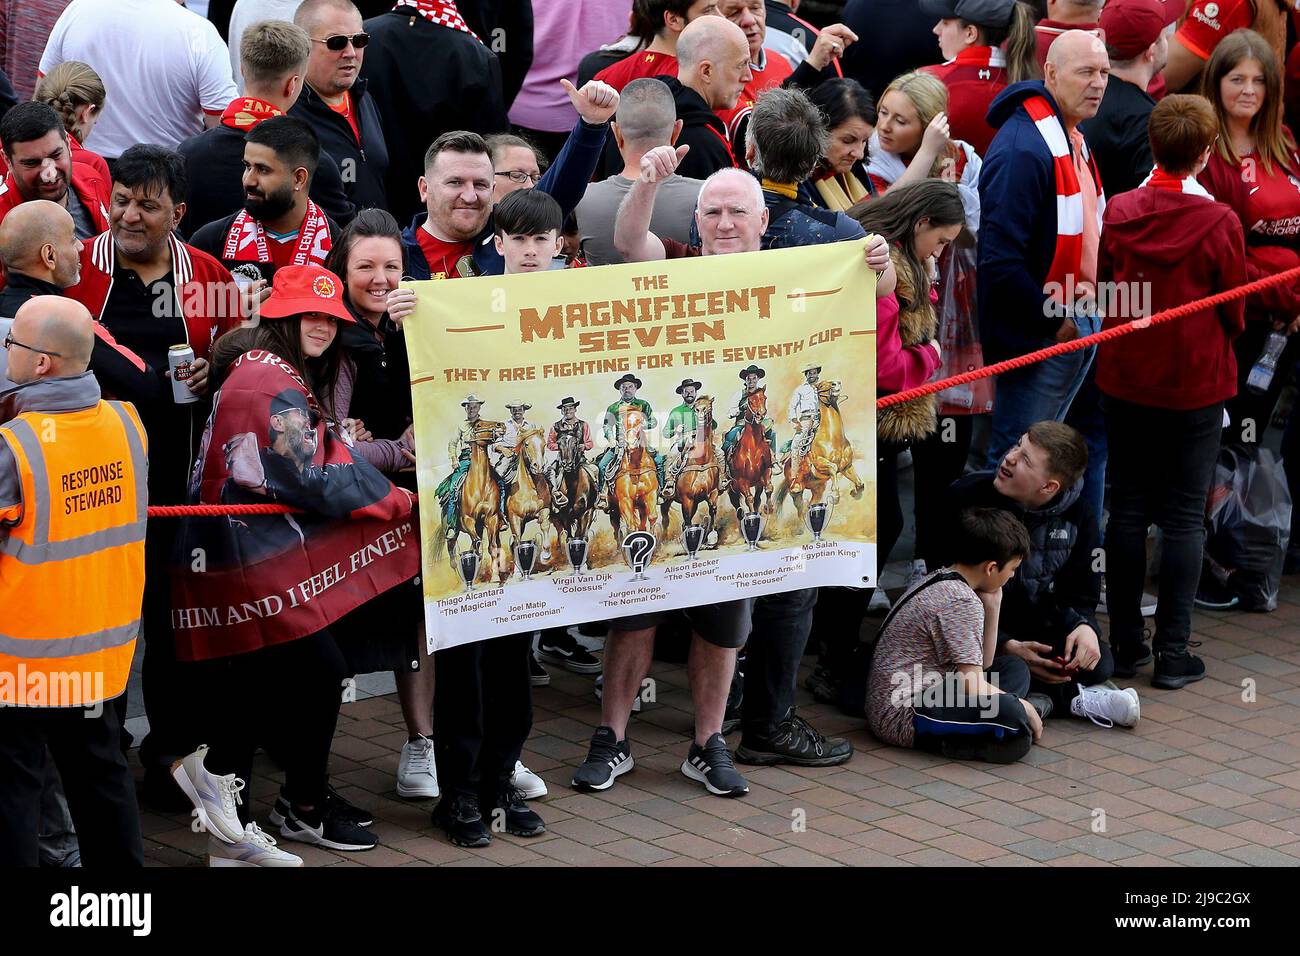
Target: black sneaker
{"x":1129,"y":657}
{"x":607,"y":759}
{"x":459,"y":816}
{"x":821,"y":683}
{"x":327,"y":828}
{"x":1041,"y":703}
{"x":348,"y":811}
{"x":537,"y":675}
{"x":1213,"y":596}
{"x":735,"y":700}
{"x":557,"y":646}
{"x":512,"y":814}
{"x":1175,"y":669}
{"x":795,"y":742}
{"x":712,"y":766}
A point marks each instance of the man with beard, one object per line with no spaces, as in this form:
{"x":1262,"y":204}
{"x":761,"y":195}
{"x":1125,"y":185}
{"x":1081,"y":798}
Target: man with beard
{"x":40,"y":252}
{"x":279,"y":225}
{"x":682,"y":430}
{"x":150,"y":291}
{"x":41,"y":167}
{"x":273,"y":63}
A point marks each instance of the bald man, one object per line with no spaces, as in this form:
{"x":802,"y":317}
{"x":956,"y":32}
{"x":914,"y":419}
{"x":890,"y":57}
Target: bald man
{"x":712,"y":70}
{"x":40,"y":251}
{"x":86,"y":621}
{"x":1038,"y":271}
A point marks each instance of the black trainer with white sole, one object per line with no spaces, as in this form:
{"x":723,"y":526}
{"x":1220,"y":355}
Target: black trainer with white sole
{"x":712,"y":766}
{"x":557,"y":646}
{"x":348,"y":811}
{"x":795,"y":742}
{"x":607,"y":760}
{"x":329,"y":829}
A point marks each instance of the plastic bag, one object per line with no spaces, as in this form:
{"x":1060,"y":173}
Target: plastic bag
{"x":1248,"y":512}
{"x":959,"y":334}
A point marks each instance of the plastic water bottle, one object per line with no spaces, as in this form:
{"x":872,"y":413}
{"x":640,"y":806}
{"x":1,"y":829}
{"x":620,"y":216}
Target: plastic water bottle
{"x":1261,"y":374}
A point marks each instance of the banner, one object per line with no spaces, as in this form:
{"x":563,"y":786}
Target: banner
{"x":533,"y":394}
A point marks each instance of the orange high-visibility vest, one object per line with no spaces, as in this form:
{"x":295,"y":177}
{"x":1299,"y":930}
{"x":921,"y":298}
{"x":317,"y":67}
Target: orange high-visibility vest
{"x":72,"y":568}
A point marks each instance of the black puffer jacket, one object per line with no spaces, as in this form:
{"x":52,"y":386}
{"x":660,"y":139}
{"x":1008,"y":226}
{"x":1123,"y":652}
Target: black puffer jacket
{"x":361,"y":166}
{"x":1055,"y":589}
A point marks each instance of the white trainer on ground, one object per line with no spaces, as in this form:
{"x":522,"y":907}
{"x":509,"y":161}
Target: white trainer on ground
{"x":215,"y":798}
{"x":527,"y":782}
{"x":417,"y":777}
{"x":256,"y":848}
{"x":1107,"y":707}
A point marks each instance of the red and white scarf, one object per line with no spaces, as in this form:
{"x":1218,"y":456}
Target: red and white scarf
{"x":245,"y":112}
{"x":441,"y":12}
{"x":982,"y":57}
{"x":246,"y":234}
{"x":1069,"y":195}
{"x":1159,"y":179}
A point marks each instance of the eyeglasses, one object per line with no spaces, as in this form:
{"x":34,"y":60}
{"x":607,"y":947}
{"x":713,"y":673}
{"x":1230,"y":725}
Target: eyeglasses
{"x":521,"y":177}
{"x":340,"y":41}
{"x":10,"y":341}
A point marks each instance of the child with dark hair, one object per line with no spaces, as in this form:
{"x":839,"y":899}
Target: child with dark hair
{"x":935,"y":681}
{"x":528,"y":224}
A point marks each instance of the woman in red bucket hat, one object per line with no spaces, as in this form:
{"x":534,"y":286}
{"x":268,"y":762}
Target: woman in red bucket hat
{"x":263,"y":614}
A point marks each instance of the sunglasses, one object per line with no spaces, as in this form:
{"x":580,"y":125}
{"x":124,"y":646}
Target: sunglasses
{"x":10,"y":342}
{"x":340,"y":41}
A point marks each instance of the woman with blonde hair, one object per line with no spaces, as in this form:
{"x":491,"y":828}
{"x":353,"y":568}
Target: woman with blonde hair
{"x":77,"y":94}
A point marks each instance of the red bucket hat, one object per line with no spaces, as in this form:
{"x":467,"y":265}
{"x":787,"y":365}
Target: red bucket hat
{"x":309,"y":288}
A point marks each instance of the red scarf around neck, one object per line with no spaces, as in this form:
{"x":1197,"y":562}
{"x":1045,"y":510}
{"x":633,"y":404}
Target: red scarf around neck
{"x":245,"y":112}
{"x":441,"y":12}
{"x":246,"y":239}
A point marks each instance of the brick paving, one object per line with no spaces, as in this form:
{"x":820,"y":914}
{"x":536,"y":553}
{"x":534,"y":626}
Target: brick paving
{"x":1206,"y":779}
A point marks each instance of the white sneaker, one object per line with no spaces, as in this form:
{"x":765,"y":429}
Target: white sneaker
{"x":527,"y":782}
{"x":255,"y":848}
{"x":214,"y":798}
{"x":915,"y":572}
{"x":879,"y":603}
{"x":417,"y":777}
{"x":1106,"y":707}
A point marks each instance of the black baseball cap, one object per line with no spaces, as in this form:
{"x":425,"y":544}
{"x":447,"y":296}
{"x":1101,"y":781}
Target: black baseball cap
{"x":985,"y":13}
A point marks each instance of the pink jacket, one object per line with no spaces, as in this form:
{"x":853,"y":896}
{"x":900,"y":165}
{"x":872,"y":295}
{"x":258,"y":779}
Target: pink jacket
{"x":899,"y":368}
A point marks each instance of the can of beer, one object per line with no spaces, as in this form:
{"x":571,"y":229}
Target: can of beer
{"x":180,"y":359}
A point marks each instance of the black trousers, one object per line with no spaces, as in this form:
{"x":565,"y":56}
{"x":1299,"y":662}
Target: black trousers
{"x":995,"y":730}
{"x":1161,"y":467}
{"x":284,"y":698}
{"x":937,"y":462}
{"x":168,"y":701}
{"x":781,"y":625}
{"x":482,"y":714}
{"x":96,"y":780}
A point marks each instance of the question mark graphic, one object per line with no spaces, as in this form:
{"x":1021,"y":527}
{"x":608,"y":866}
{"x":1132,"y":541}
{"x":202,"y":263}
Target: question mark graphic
{"x":638,"y":546}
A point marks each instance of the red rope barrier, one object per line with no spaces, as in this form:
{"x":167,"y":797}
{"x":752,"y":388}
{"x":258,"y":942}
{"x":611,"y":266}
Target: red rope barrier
{"x":1020,"y":361}
{"x":930,"y":388}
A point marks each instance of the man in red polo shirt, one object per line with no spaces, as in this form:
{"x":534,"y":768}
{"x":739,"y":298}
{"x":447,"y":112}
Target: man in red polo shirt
{"x":41,"y":167}
{"x":1209,"y":21}
{"x":766,"y":71}
{"x":669,"y":19}
{"x":279,"y":225}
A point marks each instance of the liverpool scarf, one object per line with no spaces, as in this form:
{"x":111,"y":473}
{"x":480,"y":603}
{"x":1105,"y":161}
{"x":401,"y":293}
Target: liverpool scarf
{"x":246,"y":239}
{"x":1069,"y":195}
{"x":245,"y":112}
{"x":441,"y":12}
{"x":1159,"y":179}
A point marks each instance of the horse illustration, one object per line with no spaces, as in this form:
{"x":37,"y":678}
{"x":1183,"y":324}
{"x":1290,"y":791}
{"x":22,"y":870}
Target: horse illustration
{"x":479,"y":511}
{"x":829,"y":456}
{"x":700,"y":476}
{"x":751,"y":458}
{"x":578,"y":478}
{"x":528,"y":493}
{"x":635,"y":493}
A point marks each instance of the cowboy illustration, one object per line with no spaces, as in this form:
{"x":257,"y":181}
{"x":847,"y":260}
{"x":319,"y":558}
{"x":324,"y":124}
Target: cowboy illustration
{"x":568,"y":424}
{"x":736,"y":411}
{"x":805,"y":416}
{"x":617,"y":441}
{"x":459,"y":451}
{"x":504,"y":453}
{"x":682,"y":431}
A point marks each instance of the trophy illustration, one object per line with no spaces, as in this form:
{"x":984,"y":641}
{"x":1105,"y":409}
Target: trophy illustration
{"x":577,"y":553}
{"x":817,"y":518}
{"x":638,"y":548}
{"x":526,"y":558}
{"x":469,"y":568}
{"x":751,"y":528}
{"x":692,"y":538}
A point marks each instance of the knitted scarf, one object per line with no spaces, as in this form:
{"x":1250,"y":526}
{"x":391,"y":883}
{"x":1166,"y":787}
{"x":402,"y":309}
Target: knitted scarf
{"x":441,"y":12}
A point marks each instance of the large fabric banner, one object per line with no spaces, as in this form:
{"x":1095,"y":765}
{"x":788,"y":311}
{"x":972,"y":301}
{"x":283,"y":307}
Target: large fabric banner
{"x":600,"y":442}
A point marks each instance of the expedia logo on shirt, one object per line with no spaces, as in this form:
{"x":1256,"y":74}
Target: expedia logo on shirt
{"x":1209,"y":16}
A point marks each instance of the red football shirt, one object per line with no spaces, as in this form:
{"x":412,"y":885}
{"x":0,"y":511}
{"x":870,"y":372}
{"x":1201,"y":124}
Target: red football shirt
{"x":444,"y":257}
{"x":344,"y":109}
{"x":1209,"y":21}
{"x":637,"y":66}
{"x":973,"y":77}
{"x":1046,"y":32}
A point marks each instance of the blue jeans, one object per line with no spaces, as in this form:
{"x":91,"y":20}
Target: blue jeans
{"x":1039,"y":392}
